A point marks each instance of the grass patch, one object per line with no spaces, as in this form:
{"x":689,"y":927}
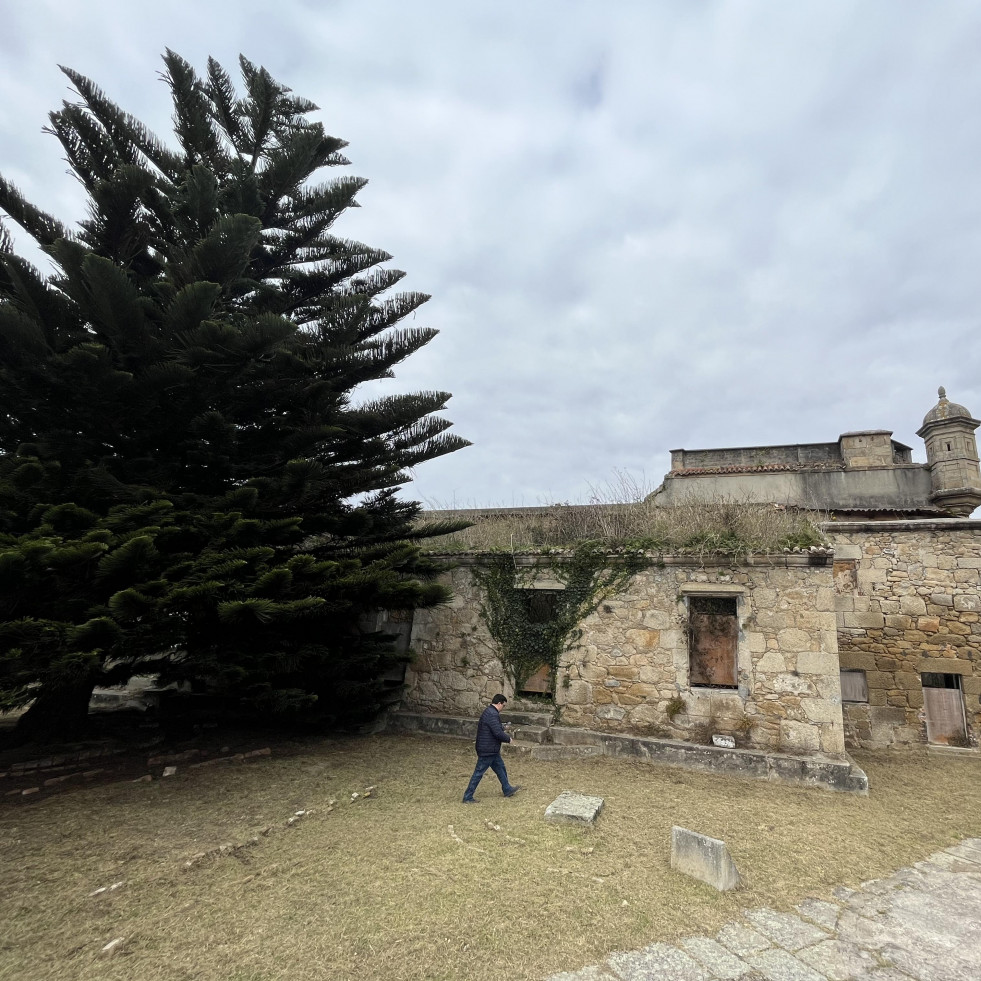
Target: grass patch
{"x":382,"y":888}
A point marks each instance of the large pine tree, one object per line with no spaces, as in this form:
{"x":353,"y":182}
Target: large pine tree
{"x":187,"y":484}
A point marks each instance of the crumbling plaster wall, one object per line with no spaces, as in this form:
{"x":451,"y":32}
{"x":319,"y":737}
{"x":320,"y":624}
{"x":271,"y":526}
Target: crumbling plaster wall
{"x":908,"y":597}
{"x":632,"y":657}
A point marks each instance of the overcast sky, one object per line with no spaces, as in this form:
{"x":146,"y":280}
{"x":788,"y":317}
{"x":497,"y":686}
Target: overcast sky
{"x":645,"y":225}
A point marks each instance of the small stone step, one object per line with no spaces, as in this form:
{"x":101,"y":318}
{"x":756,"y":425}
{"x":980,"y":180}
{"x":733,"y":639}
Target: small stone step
{"x":551,"y":753}
{"x":568,"y":736}
{"x":443,"y":725}
{"x":531,"y":734}
{"x":521,"y":719}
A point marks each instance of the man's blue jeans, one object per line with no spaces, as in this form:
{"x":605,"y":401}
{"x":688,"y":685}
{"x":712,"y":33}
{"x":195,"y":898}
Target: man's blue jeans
{"x":496,"y":764}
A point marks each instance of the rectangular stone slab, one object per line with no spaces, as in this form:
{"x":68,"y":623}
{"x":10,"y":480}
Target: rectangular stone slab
{"x":572,"y":807}
{"x":703,"y":858}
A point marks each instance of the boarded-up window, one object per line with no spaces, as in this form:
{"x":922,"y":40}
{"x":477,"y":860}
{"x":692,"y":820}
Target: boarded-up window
{"x":854,"y":686}
{"x":943,"y":706}
{"x":713,"y":634}
{"x":845,"y":575}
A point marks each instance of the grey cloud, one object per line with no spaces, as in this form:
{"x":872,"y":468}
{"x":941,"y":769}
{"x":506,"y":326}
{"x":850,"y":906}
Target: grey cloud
{"x":643,"y":225}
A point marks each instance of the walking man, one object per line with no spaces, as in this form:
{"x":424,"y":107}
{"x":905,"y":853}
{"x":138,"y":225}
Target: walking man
{"x":490,"y":735}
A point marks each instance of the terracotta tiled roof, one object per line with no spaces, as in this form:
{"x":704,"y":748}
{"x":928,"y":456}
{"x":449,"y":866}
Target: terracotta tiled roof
{"x":911,"y":509}
{"x":756,"y":468}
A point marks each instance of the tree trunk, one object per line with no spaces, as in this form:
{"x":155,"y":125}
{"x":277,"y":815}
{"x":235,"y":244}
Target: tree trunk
{"x":57,"y":713}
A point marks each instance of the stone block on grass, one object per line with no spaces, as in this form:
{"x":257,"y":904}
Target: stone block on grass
{"x":571,"y":807}
{"x":703,"y":858}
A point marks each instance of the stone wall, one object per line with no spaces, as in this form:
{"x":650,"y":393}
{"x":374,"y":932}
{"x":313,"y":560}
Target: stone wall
{"x":455,"y":670}
{"x":754,"y":456}
{"x":908,"y":596}
{"x":905,"y":486}
{"x":869,"y":448}
{"x":872,"y":448}
{"x":631,"y":660}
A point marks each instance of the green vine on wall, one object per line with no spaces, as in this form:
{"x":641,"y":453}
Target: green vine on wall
{"x":589,"y":573}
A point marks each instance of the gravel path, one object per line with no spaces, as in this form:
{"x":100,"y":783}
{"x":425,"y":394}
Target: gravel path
{"x":921,"y":923}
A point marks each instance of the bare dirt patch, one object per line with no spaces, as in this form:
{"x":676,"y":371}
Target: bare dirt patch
{"x":408,"y":883}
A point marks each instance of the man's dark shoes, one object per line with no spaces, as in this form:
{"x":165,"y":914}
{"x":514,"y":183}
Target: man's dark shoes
{"x":473,"y":800}
{"x":513,"y":790}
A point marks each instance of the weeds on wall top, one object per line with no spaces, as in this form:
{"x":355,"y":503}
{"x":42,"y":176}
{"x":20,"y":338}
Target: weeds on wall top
{"x":587,"y":576}
{"x":723,"y":527}
{"x":593,"y":550}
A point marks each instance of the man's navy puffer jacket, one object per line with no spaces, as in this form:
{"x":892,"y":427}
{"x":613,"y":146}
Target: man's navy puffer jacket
{"x":490,"y":733}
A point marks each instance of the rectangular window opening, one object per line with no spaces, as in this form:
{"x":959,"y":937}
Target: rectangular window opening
{"x":932,"y":679}
{"x":542,"y":608}
{"x":943,"y":708}
{"x":397,"y":624}
{"x":845,"y":575}
{"x":713,"y":635}
{"x":542,"y":605}
{"x":854,"y":686}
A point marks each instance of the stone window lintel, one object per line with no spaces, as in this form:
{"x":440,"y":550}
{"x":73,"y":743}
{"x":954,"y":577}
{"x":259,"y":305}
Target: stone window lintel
{"x":711,"y":589}
{"x":942,"y":665}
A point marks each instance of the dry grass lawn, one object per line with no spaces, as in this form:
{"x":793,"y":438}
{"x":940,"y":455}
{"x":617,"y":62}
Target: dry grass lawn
{"x":409,"y":884}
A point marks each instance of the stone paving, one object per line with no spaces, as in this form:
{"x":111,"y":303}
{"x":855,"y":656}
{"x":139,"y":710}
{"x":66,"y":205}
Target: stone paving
{"x":921,"y":923}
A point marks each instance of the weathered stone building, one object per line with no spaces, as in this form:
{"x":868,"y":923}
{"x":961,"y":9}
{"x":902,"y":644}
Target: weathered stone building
{"x":908,"y":598}
{"x":908,"y":592}
{"x":766,"y":672}
{"x":879,"y":646}
{"x":863,"y":474}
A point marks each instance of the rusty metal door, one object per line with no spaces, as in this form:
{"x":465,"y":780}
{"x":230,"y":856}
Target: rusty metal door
{"x":713,"y":635}
{"x":944,"y":710}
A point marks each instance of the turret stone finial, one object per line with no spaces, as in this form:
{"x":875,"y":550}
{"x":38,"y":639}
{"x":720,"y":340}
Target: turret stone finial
{"x":942,"y":392}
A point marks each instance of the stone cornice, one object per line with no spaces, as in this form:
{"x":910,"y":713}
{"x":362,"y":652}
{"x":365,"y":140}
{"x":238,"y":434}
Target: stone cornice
{"x":910,"y":524}
{"x":526,"y":560}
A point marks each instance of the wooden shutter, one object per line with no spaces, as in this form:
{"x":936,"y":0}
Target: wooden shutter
{"x":944,"y":710}
{"x":713,"y":635}
{"x":854,"y":686}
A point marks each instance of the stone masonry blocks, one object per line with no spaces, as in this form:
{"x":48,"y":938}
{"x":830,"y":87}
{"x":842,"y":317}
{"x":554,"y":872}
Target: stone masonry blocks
{"x":930,"y":601}
{"x":624,"y":672}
